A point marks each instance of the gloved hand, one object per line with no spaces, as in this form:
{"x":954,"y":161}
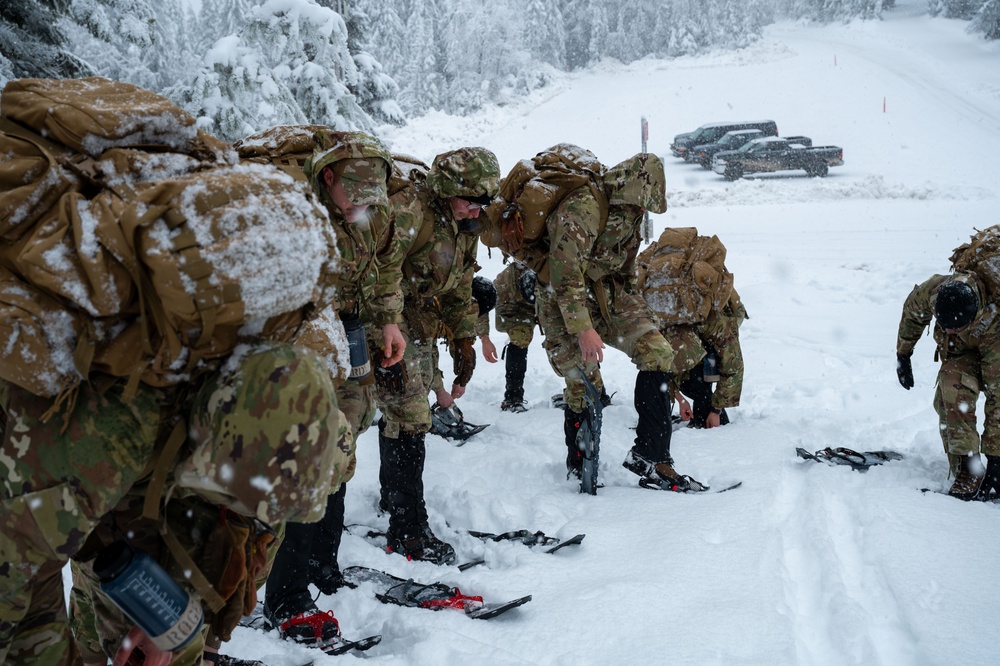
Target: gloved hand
{"x":904,"y":371}
{"x":465,"y":360}
{"x":526,"y":283}
{"x":391,"y":379}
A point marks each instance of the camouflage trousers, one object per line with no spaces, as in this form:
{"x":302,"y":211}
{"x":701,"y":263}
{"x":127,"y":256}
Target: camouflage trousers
{"x":630,"y":330}
{"x":692,"y":342}
{"x":959,"y":382}
{"x":410,"y":411}
{"x":514,"y":316}
{"x":262,"y":441}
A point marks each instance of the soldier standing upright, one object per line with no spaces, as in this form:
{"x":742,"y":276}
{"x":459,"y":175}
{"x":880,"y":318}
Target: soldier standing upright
{"x":436,"y":240}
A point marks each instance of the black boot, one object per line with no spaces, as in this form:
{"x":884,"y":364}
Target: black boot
{"x":516,"y":359}
{"x":288,"y":604}
{"x":401,"y":476}
{"x":991,"y":483}
{"x":574,"y":457}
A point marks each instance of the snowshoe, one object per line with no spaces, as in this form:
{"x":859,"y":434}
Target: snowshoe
{"x":432,"y":596}
{"x":449,"y":422}
{"x":855,"y":460}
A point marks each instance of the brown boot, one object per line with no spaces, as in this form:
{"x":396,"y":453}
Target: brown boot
{"x":968,"y":478}
{"x":668,"y":475}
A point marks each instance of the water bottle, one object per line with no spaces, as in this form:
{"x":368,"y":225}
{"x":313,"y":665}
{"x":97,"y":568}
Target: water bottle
{"x":147,"y":594}
{"x":710,"y":367}
{"x":361,"y":367}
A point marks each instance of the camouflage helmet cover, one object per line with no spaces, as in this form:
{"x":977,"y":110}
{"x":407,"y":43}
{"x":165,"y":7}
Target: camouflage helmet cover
{"x":638,"y":181}
{"x":362,"y":161}
{"x":466,"y":172}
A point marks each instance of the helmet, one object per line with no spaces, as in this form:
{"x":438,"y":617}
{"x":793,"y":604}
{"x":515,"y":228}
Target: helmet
{"x":485,"y":294}
{"x":470,"y":173}
{"x":638,"y":181}
{"x":361,"y":160}
{"x":956,"y":304}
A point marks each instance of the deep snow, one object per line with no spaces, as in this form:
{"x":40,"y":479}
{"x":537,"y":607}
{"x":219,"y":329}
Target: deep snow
{"x":804,"y":564}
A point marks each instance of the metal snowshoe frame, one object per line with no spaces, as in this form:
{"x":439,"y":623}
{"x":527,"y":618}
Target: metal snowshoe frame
{"x":588,"y":437}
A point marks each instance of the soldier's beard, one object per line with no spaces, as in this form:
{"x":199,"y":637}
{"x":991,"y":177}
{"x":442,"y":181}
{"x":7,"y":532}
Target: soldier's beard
{"x":358,"y":215}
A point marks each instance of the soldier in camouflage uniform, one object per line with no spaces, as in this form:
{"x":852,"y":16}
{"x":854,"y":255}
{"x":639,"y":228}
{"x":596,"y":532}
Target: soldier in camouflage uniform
{"x":349,"y":171}
{"x":516,"y":317}
{"x":438,"y":290}
{"x":71,"y":468}
{"x":716,"y":338}
{"x":967,"y":333}
{"x":359,"y":167}
{"x":591,"y":297}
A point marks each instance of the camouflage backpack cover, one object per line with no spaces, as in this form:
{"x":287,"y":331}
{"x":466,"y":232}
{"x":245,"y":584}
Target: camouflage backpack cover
{"x":683,"y":276}
{"x":531,"y":191}
{"x":132,"y":243}
{"x":981,"y":255}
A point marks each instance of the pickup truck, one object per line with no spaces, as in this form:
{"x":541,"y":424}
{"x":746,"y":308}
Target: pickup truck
{"x":774,"y":154}
{"x":734,"y":140}
{"x":710,"y":132}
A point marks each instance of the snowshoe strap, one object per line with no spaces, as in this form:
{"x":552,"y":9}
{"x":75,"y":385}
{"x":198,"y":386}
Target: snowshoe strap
{"x":314,"y":620}
{"x":457,"y":601}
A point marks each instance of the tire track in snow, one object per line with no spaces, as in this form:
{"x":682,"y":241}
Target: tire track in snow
{"x":839,"y":603}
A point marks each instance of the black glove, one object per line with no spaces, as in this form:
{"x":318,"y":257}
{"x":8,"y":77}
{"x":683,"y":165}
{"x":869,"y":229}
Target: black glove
{"x":391,"y":379}
{"x":904,"y":370}
{"x":526,"y":283}
{"x":465,"y":360}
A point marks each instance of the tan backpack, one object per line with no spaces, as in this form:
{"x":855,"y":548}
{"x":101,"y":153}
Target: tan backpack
{"x":683,"y":276}
{"x":529,"y":194}
{"x":131,"y":243}
{"x":981,"y":255}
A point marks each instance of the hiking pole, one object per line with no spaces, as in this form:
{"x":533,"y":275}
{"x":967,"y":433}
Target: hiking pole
{"x":647,"y":227}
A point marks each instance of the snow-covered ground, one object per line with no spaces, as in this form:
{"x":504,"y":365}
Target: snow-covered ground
{"x":805,"y":564}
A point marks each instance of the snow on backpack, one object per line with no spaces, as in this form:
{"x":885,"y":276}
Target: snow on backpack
{"x":132,"y":243}
{"x":981,"y":255}
{"x":529,"y":194}
{"x":683,"y":276}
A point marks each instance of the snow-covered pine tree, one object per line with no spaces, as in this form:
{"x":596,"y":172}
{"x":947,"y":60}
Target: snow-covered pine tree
{"x":374,"y":88}
{"x":289,"y":63}
{"x":32,"y":43}
{"x":544,"y":32}
{"x":987,"y":20}
{"x":577,"y":15}
{"x":421,"y":80}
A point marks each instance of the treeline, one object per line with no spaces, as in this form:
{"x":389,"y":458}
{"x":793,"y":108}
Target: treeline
{"x":241,"y":65}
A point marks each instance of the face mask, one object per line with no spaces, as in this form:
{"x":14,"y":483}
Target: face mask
{"x":470,"y":226}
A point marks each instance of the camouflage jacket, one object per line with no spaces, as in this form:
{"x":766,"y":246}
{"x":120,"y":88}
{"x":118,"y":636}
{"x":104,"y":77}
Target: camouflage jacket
{"x":581,"y":253}
{"x":368,"y":276}
{"x":438,"y":275}
{"x":981,"y":336}
{"x":720,"y":332}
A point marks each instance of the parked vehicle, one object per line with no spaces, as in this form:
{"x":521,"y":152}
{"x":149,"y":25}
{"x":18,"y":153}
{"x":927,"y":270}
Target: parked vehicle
{"x":734,"y":140}
{"x":683,"y":143}
{"x":774,"y":154}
